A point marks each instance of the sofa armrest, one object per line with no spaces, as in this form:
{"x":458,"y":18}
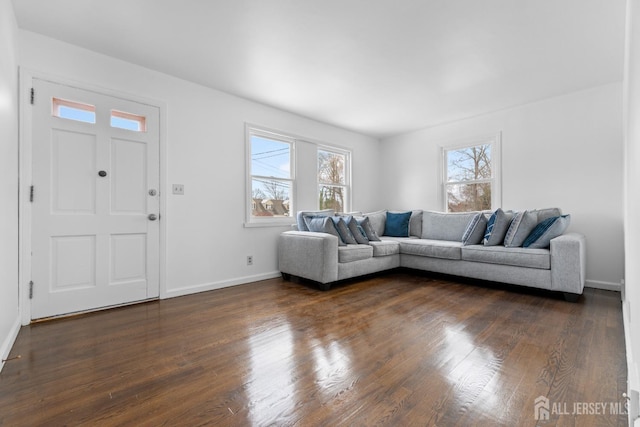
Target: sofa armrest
{"x":568,"y":263}
{"x":310,"y":255}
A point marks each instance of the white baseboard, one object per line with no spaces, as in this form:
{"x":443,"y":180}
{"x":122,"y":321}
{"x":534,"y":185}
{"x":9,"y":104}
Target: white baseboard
{"x":7,"y":344}
{"x":633,"y":375}
{"x":607,"y":286}
{"x":219,"y":285}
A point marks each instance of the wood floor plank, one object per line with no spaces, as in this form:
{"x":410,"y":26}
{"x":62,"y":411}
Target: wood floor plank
{"x":395,"y":349}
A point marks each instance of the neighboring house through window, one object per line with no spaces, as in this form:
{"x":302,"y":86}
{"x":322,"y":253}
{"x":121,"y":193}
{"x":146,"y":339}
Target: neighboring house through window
{"x":471,"y":171}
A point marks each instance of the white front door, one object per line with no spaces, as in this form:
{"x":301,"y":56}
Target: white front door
{"x":95,"y":242}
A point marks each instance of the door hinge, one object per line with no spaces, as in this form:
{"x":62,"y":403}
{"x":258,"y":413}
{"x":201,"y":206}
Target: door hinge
{"x":31,"y":289}
{"x":33,"y":96}
{"x":31,"y":194}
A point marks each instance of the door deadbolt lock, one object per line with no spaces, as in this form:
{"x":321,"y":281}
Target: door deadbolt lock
{"x":152,"y":217}
{"x":152,"y":192}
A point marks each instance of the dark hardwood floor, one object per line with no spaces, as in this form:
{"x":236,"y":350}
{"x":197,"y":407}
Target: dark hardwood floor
{"x":397,"y":349}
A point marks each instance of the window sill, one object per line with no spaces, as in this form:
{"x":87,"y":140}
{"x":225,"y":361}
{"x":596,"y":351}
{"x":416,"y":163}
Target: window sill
{"x":284,"y":224}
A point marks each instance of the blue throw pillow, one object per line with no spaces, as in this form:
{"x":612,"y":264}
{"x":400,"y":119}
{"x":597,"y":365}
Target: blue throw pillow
{"x":397,"y":224}
{"x":550,"y":228}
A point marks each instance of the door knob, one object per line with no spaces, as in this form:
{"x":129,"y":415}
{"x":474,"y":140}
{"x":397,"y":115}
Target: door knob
{"x":152,"y":217}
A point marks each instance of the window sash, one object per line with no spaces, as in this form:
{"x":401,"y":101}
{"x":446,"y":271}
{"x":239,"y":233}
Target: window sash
{"x":344,"y":186}
{"x":287,"y":202}
{"x":494,"y":143}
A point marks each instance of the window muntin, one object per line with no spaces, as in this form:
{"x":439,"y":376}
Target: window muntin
{"x":73,"y":110}
{"x":333,"y":179}
{"x":469,"y":178}
{"x":128,"y":121}
{"x":271,"y":176}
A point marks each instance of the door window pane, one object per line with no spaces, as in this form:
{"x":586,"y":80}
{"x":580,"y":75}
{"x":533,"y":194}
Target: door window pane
{"x":128,"y":121}
{"x":72,"y":110}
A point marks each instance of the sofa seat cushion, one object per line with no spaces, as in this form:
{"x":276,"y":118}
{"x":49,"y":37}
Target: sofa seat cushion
{"x":431,"y":248}
{"x":385,"y":248}
{"x":350,"y":253}
{"x":518,"y":257}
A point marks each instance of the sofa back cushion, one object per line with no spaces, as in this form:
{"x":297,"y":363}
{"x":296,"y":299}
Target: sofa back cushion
{"x":445,"y":226}
{"x":547,"y":213}
{"x":377,"y":221}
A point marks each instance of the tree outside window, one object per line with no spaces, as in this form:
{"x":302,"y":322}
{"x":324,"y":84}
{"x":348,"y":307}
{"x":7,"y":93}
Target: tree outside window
{"x":469,"y":178}
{"x":333,"y":184}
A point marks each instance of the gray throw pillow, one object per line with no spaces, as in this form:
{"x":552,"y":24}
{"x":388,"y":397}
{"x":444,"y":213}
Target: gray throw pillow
{"x":369,"y":231}
{"x":302,"y":225}
{"x":323,"y":224}
{"x":521,"y":226}
{"x":357,"y":231}
{"x":377,"y":220}
{"x":475,"y":230}
{"x":343,"y":230}
{"x":497,"y":227}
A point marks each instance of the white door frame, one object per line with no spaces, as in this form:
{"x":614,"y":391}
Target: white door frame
{"x":25,"y":177}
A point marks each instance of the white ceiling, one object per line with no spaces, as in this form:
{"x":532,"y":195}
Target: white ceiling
{"x":379,"y":67}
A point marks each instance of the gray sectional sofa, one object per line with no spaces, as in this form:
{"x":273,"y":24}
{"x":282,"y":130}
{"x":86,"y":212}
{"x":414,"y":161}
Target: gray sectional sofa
{"x":436,"y":243}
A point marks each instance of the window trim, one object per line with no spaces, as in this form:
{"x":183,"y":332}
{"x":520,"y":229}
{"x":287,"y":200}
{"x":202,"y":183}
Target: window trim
{"x":250,"y":220}
{"x":495,"y":141}
{"x":347,"y":173}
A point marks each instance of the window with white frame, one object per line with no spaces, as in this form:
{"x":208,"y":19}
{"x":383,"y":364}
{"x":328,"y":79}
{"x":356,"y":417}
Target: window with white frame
{"x":470,"y":176}
{"x":334,"y":183}
{"x":271,"y":176}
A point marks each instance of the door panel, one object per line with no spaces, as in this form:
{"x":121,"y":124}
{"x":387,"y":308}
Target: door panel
{"x":128,"y":258}
{"x":129,"y":177}
{"x":93,"y":245}
{"x":73,"y":261}
{"x":73,"y":160}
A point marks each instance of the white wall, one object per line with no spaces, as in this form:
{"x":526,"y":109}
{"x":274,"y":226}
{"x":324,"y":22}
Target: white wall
{"x":564,"y":151}
{"x":9,"y":314}
{"x":206,"y":243}
{"x":631,"y":303}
